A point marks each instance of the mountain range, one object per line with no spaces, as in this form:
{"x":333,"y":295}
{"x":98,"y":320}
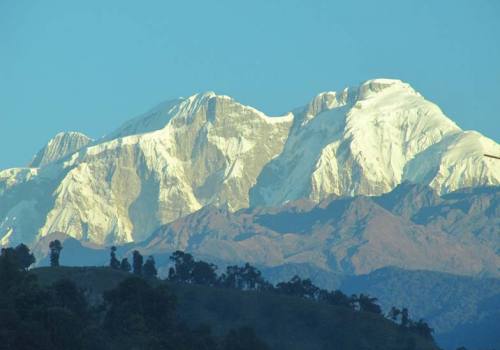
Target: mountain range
{"x":209,"y":150}
{"x":455,"y":233}
{"x":370,"y":189}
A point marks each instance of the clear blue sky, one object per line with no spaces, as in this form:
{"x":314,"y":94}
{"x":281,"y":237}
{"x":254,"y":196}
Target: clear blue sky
{"x":90,"y":65}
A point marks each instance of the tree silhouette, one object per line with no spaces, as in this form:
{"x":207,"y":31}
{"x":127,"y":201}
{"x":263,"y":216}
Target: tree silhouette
{"x":299,"y":287}
{"x":137,"y":262}
{"x":405,"y":318}
{"x":394,"y":313}
{"x":114,"y":263}
{"x":183,"y":267}
{"x":247,"y":277}
{"x":204,"y":273}
{"x":149,"y":268}
{"x":187,"y":270}
{"x":10,"y":270}
{"x":125,"y":265}
{"x":421,"y":327}
{"x":368,"y":304}
{"x":335,"y":297}
{"x":252,"y":277}
{"x":140,"y":313}
{"x":135,"y":315}
{"x":24,"y":256}
{"x":55,"y":251}
{"x":232,"y":278}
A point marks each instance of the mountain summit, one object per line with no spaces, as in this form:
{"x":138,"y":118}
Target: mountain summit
{"x":209,"y":149}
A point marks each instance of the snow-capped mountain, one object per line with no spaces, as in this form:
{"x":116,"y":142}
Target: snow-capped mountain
{"x":209,"y":149}
{"x":370,"y":140}
{"x":61,"y":145}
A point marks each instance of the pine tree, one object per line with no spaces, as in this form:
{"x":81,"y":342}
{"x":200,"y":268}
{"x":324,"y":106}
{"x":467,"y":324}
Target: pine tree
{"x":55,"y":251}
{"x":125,"y":265}
{"x":114,"y":263}
{"x":149,"y":268}
{"x":137,"y":262}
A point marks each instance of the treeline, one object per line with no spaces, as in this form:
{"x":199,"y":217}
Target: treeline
{"x":138,"y":267}
{"x":137,"y":314}
{"x":186,"y":269}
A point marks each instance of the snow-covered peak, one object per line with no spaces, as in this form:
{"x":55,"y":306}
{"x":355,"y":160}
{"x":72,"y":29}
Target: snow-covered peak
{"x":383,"y":103}
{"x":374,"y":87}
{"x":61,"y":145}
{"x":182,"y":111}
{"x":154,"y":119}
{"x":203,"y":96}
{"x":327,"y":100}
{"x":387,"y":92}
{"x":324,"y":101}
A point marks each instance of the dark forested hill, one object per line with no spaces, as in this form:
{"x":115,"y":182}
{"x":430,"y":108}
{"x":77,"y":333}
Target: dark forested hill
{"x":283,"y":322}
{"x":462,"y":310}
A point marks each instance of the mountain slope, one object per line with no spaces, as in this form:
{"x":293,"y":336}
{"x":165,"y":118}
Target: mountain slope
{"x":472,"y":213}
{"x":343,"y":235}
{"x":209,"y":149}
{"x":455,"y":233}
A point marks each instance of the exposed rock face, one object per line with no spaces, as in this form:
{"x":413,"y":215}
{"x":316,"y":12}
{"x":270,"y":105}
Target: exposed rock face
{"x":61,"y":145}
{"x":210,"y":150}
